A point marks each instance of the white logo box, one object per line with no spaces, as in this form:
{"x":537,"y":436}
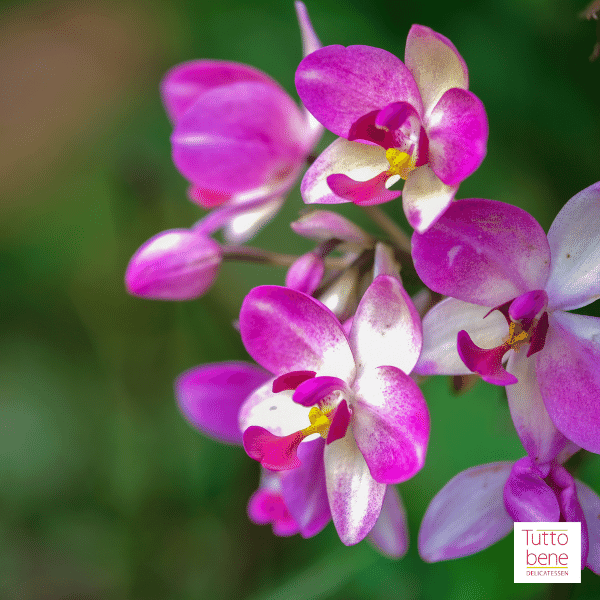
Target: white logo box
{"x":547,"y":552}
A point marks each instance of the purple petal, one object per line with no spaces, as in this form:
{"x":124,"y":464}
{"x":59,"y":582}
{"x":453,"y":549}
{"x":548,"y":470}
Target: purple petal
{"x":312,"y":391}
{"x":425,"y":198}
{"x":391,"y":423}
{"x":355,"y":498}
{"x":186,"y":82}
{"x":266,"y":506}
{"x":239,"y":137}
{"x":305,"y":492}
{"x":290,"y":381}
{"x":528,"y":306}
{"x":539,"y":436}
{"x":488,"y":363}
{"x":386,"y":329}
{"x":390,"y":533}
{"x":363,"y":193}
{"x":467,"y":515}
{"x":590,"y":503}
{"x":482,"y":251}
{"x":339,"y":85}
{"x":178,"y":264}
{"x":285,"y":330}
{"x":306,"y":273}
{"x":322,"y":225}
{"x":360,"y":162}
{"x":435,"y":64}
{"x":441,"y":325}
{"x":210,"y":397}
{"x":574,"y":240}
{"x":458,"y":131}
{"x":339,"y":422}
{"x":569,"y":377}
{"x":527,"y":497}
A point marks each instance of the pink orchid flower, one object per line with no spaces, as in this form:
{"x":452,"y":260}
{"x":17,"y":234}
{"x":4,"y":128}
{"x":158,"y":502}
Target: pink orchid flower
{"x":370,"y":414}
{"x":478,"y":507}
{"x":210,"y":397}
{"x":510,"y":286}
{"x":239,"y":138}
{"x":414,"y":120}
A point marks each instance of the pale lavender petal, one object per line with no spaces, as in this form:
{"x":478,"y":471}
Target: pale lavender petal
{"x":569,"y":377}
{"x":178,"y":264}
{"x":458,"y":131}
{"x":390,"y":533}
{"x":435,"y":64}
{"x":590,"y":503}
{"x":277,"y":413}
{"x":244,"y":224}
{"x":238,"y":137}
{"x":360,"y":162}
{"x":482,"y":251}
{"x":305,"y":492}
{"x":210,"y":396}
{"x":527,"y":497}
{"x":386,"y":329}
{"x":425,"y":198}
{"x":440,"y":330}
{"x":391,"y":423}
{"x":285,"y":330}
{"x":574,"y":240}
{"x":305,"y":273}
{"x":539,"y":436}
{"x":322,"y":225}
{"x":186,"y":82}
{"x":339,"y":85}
{"x":355,"y":498}
{"x":310,"y":41}
{"x":467,"y":515}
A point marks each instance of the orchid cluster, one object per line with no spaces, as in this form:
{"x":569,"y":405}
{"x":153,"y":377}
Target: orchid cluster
{"x":331,"y":408}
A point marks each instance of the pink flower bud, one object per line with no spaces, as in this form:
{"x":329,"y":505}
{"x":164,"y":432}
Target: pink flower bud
{"x":306,"y":273}
{"x":178,"y":264}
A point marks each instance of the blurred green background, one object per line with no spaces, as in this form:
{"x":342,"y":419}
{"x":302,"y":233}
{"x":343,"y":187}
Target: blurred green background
{"x":105,"y":491}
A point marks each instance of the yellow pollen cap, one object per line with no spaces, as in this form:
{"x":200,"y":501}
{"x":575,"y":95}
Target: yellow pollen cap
{"x":400,"y":162}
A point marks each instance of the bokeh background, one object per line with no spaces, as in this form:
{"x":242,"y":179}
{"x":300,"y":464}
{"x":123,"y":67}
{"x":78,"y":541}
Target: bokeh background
{"x":105,"y":491}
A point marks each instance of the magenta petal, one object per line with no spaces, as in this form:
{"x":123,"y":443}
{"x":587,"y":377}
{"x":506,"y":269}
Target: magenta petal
{"x":569,"y":377}
{"x":467,"y":515}
{"x":339,"y":422}
{"x":390,"y":533}
{"x":488,"y":363}
{"x":458,"y":131}
{"x":339,"y":85}
{"x":285,"y":330}
{"x":178,"y":264}
{"x":527,"y":306}
{"x":186,"y":82}
{"x":482,"y":251}
{"x":239,"y":137}
{"x":290,"y":381}
{"x":267,"y":506}
{"x":527,"y":497}
{"x":363,"y":193}
{"x":210,"y":397}
{"x":272,"y":451}
{"x":312,"y":391}
{"x":305,"y":492}
{"x":386,"y":329}
{"x":390,"y":423}
{"x":590,"y":504}
{"x":306,"y":273}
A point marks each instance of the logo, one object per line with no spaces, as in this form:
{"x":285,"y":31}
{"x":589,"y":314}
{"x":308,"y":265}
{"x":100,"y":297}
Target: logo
{"x":547,"y":552}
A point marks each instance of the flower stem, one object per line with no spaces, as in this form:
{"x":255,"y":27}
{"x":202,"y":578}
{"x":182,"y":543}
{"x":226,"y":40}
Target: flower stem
{"x":266,"y":257}
{"x":397,"y":236}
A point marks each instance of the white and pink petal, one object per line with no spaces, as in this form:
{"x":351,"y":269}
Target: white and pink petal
{"x":390,"y":533}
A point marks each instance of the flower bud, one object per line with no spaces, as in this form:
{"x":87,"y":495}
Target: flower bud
{"x":178,"y":264}
{"x":306,"y":273}
{"x":322,"y":225}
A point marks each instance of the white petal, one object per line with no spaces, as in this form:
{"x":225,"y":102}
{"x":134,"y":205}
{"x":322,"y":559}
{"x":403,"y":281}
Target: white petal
{"x":244,"y":225}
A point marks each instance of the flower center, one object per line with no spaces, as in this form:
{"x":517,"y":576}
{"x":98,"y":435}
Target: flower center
{"x":401,"y":163}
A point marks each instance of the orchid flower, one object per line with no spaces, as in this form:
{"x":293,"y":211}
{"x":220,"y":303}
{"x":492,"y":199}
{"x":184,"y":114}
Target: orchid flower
{"x":210,"y":397}
{"x":414,"y":120}
{"x":238,"y":138}
{"x":510,"y":286}
{"x":478,"y":507}
{"x":370,"y":414}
